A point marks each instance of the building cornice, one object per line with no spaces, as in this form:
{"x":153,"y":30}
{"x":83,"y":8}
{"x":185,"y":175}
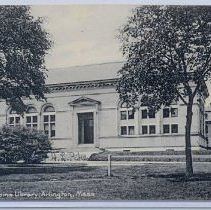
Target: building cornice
{"x":64,"y":87}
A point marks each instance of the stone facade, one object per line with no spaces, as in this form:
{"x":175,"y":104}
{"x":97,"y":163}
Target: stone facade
{"x":87,"y":116}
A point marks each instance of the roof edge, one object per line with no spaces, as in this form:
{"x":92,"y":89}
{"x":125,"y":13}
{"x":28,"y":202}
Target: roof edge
{"x":94,"y":64}
{"x":63,"y":87}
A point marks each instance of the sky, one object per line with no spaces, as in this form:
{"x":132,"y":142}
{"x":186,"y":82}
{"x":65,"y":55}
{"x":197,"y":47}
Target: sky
{"x":83,"y":34}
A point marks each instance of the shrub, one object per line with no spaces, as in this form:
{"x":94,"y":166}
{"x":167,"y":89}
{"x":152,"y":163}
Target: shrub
{"x":23,"y":144}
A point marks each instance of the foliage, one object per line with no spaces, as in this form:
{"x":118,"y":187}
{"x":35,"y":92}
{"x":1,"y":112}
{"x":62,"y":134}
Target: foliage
{"x":167,"y":50}
{"x":23,"y":144}
{"x":165,"y":46}
{"x":23,"y":46}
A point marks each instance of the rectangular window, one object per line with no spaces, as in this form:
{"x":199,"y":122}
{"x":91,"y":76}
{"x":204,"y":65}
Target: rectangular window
{"x":174,"y":112}
{"x":166,"y":129}
{"x":131,"y":130}
{"x":123,"y":130}
{"x":165,"y":112}
{"x":31,"y":122}
{"x":174,"y":128}
{"x":49,"y":125}
{"x":123,"y":115}
{"x":152,"y":129}
{"x":151,"y":114}
{"x":14,"y":121}
{"x":144,"y":114}
{"x":130,"y":114}
{"x":144,"y":129}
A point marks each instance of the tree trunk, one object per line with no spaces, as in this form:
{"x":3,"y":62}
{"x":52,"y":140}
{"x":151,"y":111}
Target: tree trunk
{"x":189,"y":166}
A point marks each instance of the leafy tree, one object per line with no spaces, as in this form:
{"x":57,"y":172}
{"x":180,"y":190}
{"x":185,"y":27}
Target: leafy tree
{"x":23,"y":144}
{"x":23,"y":46}
{"x":167,"y":51}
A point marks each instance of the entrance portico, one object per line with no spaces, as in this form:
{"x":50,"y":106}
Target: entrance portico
{"x":85,"y":122}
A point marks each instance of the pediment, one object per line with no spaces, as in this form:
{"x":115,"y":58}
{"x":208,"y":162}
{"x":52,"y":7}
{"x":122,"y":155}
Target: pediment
{"x":84,"y":101}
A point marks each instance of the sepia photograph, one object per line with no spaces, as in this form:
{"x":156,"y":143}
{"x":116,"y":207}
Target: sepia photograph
{"x":105,"y":102}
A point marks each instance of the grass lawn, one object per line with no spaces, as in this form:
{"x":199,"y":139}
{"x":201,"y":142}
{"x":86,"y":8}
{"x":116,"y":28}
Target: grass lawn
{"x":144,"y":182}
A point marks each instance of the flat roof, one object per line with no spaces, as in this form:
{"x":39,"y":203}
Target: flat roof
{"x":84,"y":73}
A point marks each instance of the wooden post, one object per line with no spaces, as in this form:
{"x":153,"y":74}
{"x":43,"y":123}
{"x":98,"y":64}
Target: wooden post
{"x":109,"y":165}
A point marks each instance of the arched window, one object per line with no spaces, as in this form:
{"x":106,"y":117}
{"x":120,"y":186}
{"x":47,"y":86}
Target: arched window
{"x":49,"y":120}
{"x":14,"y":118}
{"x":31,"y":117}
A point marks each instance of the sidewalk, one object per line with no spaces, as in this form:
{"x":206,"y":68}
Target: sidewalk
{"x":125,"y":163}
{"x":153,"y":158}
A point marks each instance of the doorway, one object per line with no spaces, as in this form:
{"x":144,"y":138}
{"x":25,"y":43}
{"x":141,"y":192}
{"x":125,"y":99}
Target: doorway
{"x":85,"y":128}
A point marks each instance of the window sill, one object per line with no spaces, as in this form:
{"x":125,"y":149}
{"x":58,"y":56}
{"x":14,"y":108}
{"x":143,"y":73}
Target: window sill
{"x":150,"y":135}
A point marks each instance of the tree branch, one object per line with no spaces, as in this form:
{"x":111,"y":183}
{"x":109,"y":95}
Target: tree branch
{"x":180,"y":96}
{"x":184,"y":68}
{"x":196,"y":89}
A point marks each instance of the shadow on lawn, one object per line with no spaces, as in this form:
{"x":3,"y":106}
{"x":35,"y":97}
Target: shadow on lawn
{"x":181,"y":177}
{"x":45,"y":169}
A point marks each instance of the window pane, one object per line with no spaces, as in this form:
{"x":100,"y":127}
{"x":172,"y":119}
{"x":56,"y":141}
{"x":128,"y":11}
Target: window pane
{"x":123,"y":115}
{"x":34,"y":119}
{"x":46,"y":127}
{"x":174,"y":128}
{"x":144,"y":129}
{"x":131,"y":130}
{"x":206,"y":128}
{"x":174,"y":112}
{"x":144,"y":114}
{"x":52,"y":126}
{"x":17,"y":120}
{"x":166,"y":112}
{"x":49,"y":109}
{"x":35,"y":126}
{"x":124,"y":105}
{"x":28,"y":125}
{"x":123,"y":130}
{"x":12,"y":111}
{"x":46,"y":132}
{"x":165,"y":128}
{"x":152,"y":129}
{"x":130,"y":114}
{"x":31,"y":110}
{"x":52,"y":133}
{"x":11,"y":120}
{"x":28,"y":119}
{"x":206,"y":116}
{"x":91,"y":123}
{"x":45,"y":118}
{"x":151,"y":114}
{"x":52,"y":118}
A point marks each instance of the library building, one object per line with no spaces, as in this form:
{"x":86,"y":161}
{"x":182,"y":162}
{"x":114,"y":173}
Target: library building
{"x":83,"y":113}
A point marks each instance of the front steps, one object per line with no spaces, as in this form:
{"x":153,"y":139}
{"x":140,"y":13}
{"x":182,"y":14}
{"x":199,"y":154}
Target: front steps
{"x":73,"y":155}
